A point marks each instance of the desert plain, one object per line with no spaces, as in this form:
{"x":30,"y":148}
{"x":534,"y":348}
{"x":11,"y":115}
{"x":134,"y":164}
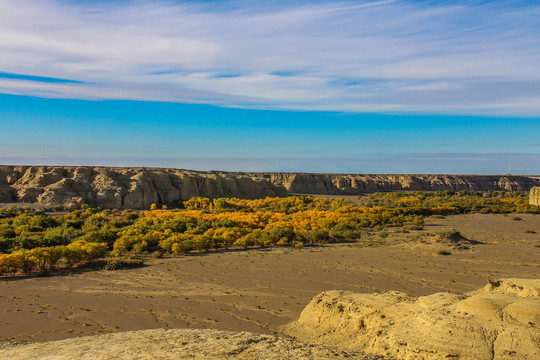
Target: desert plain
{"x":262,"y":290}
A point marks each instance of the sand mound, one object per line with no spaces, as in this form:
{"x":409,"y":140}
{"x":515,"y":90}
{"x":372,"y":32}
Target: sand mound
{"x":500,"y":321}
{"x":523,"y":288}
{"x":455,"y":239}
{"x":178,"y":344}
{"x":444,"y":240}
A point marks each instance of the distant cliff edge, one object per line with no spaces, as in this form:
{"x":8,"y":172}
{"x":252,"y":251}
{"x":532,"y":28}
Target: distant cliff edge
{"x":138,"y":188}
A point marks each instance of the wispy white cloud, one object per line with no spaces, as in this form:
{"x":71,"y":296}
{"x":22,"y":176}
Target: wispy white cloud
{"x":369,"y":56}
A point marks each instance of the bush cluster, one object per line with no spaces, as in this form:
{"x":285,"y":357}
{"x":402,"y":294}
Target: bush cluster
{"x":43,"y":259}
{"x":441,"y":203}
{"x":115,"y":263}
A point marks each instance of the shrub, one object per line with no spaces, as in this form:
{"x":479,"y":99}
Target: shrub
{"x":9,"y":264}
{"x":115,"y":263}
{"x":317,"y":236}
{"x":451,"y":235}
{"x":7,"y":233}
{"x":6,"y":244}
{"x":202,"y":243}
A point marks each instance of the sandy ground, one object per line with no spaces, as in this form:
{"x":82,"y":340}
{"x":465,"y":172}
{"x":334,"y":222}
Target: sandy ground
{"x":260,"y":290}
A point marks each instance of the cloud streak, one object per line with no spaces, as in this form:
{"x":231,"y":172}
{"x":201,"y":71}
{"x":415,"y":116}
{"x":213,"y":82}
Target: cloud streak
{"x":400,"y":56}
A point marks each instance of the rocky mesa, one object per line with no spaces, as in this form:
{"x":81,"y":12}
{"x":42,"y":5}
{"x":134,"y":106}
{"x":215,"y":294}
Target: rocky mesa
{"x":138,"y":188}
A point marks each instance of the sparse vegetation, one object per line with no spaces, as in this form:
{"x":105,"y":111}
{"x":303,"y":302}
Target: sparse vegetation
{"x":444,"y":252}
{"x":442,"y":203}
{"x":116,"y":263}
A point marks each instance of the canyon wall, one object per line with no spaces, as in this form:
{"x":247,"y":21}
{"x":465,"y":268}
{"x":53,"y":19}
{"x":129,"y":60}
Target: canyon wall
{"x":138,"y":188}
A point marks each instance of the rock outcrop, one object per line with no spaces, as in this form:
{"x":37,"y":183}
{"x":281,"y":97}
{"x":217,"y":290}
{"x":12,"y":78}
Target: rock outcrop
{"x":500,"y":321}
{"x":179,"y":344}
{"x":534,"y":196}
{"x":138,"y":188}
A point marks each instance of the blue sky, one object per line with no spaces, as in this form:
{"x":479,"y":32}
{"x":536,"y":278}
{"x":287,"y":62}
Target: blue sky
{"x":364,"y":86}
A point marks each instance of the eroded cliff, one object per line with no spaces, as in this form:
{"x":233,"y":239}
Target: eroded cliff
{"x":138,"y":188}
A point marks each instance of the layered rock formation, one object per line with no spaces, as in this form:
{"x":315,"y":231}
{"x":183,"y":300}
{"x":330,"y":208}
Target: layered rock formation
{"x":534,"y":196}
{"x":140,"y":187}
{"x":179,"y":344}
{"x":500,"y":321}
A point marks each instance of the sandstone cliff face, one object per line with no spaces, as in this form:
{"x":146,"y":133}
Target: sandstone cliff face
{"x":138,"y":188}
{"x":500,"y":321}
{"x":534,"y":196}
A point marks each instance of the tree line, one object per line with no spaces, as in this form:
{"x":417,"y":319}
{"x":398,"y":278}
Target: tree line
{"x":35,"y":241}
